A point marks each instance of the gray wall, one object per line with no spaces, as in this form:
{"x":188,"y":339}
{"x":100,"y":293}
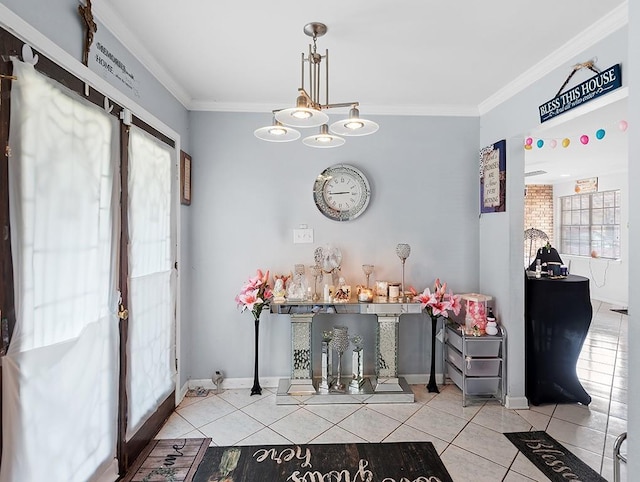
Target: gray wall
{"x":248,"y":196}
{"x":501,"y":235}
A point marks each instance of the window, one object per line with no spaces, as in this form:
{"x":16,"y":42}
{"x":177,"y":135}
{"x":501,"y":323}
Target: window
{"x":590,"y":224}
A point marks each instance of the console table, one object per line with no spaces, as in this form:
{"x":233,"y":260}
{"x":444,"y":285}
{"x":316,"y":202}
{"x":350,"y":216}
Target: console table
{"x":384,"y":387}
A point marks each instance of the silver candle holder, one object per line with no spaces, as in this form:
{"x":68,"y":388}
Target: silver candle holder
{"x":327,"y":362}
{"x":403,"y":251}
{"x":340,"y":343}
{"x":357,"y":363}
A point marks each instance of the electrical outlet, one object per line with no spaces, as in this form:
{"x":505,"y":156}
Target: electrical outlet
{"x":304,"y":235}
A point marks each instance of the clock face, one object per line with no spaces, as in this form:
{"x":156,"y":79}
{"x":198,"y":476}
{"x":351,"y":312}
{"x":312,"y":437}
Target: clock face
{"x":341,"y":192}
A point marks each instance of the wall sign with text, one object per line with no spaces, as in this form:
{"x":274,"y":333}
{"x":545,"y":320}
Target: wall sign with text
{"x":602,"y":83}
{"x":493,"y":178}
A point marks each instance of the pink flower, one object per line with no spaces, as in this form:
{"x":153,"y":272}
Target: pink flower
{"x":439,"y":303}
{"x":255,"y":294}
{"x":250,"y":299}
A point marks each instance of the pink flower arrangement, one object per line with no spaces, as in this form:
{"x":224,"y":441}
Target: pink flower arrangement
{"x":439,"y":303}
{"x":255,"y":294}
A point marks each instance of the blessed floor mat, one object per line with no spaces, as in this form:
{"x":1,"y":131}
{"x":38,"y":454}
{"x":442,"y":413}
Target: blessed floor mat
{"x":552,"y":458}
{"x":392,"y":462}
{"x":171,"y":459}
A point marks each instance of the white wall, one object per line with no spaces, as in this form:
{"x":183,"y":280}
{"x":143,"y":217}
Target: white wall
{"x":633,"y":446}
{"x":608,"y":279}
{"x":248,"y":196}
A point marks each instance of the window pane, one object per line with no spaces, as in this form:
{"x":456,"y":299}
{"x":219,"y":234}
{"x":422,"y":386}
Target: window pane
{"x":575,"y":218}
{"x":566,"y":218}
{"x":584,"y":217}
{"x":609,"y":216}
{"x":597,"y":200}
{"x":617,"y":198}
{"x":584,"y":201}
{"x":566,"y":203}
{"x":584,"y":250}
{"x":617,"y":211}
{"x":609,"y":198}
{"x":597,"y":216}
{"x":575,"y":202}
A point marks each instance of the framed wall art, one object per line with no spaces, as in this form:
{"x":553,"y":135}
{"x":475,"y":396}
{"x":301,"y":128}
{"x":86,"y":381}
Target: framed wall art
{"x":185,"y":178}
{"x":493,"y":178}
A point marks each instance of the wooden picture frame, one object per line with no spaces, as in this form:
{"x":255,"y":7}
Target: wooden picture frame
{"x":185,"y":178}
{"x":493,"y":178}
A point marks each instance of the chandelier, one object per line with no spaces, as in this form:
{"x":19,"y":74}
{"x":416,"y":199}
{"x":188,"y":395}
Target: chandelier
{"x":308,"y":111}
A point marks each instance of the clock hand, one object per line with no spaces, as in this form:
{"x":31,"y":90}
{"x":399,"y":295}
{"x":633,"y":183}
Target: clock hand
{"x":340,"y":192}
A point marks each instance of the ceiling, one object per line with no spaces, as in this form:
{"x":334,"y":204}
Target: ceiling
{"x":415,"y":57}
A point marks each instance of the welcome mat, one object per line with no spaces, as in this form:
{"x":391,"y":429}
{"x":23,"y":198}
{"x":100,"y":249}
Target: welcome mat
{"x":391,"y":462}
{"x":174,"y":460}
{"x":552,"y":458}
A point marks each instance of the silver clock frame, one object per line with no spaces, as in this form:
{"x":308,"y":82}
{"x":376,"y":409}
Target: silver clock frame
{"x":319,"y":192}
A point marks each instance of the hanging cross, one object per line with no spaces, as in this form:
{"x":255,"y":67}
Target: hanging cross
{"x":91,"y":28}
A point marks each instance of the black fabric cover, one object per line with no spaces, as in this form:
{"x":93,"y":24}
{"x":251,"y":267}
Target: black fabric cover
{"x":557,"y":318}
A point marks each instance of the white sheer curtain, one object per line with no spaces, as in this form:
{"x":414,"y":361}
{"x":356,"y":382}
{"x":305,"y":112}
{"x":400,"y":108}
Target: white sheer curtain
{"x":60,"y":374}
{"x":151,"y":307}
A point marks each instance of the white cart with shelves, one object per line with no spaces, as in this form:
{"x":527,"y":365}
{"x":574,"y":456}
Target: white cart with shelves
{"x":476,"y":364}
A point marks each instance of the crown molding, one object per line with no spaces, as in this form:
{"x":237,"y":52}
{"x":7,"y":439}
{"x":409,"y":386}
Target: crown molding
{"x":104,"y":12}
{"x":399,"y":110}
{"x":610,"y":23}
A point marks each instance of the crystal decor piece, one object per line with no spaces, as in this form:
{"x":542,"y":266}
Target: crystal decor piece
{"x":339,"y":342}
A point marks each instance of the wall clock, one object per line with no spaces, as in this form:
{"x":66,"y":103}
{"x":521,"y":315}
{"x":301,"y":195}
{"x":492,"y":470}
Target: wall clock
{"x":341,"y":192}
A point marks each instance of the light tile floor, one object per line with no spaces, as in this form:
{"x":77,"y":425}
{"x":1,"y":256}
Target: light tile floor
{"x":472,"y":434}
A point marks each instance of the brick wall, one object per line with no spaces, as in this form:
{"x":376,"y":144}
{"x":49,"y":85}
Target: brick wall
{"x":538,"y":213}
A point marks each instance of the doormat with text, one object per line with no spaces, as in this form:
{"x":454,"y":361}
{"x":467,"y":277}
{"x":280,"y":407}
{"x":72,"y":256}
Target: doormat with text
{"x":552,"y":458}
{"x":174,"y":460}
{"x":391,"y":462}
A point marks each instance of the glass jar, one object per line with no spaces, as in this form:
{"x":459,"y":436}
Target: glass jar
{"x":475,"y":318}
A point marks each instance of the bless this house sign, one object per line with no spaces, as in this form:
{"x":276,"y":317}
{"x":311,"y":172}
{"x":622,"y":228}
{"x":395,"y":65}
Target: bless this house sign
{"x":601,"y":83}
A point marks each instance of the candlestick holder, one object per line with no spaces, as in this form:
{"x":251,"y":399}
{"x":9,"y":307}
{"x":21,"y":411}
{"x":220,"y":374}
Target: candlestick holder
{"x":357,"y":363}
{"x":316,"y":271}
{"x":327,"y":362}
{"x":403,"y":251}
{"x":368,"y":269}
{"x":339,"y":342}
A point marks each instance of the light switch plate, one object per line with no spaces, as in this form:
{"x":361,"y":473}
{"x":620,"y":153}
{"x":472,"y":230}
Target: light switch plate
{"x":303,"y":235}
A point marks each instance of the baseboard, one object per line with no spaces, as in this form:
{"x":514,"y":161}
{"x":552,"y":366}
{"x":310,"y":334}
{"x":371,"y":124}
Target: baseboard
{"x":422,"y":378}
{"x":235,"y":383}
{"x":516,"y":403}
{"x":272,"y":382}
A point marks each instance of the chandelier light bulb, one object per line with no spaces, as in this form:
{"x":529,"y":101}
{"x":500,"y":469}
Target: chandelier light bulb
{"x":354,"y":125}
{"x":277,"y":133}
{"x":301,"y":114}
{"x":324,"y":139}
